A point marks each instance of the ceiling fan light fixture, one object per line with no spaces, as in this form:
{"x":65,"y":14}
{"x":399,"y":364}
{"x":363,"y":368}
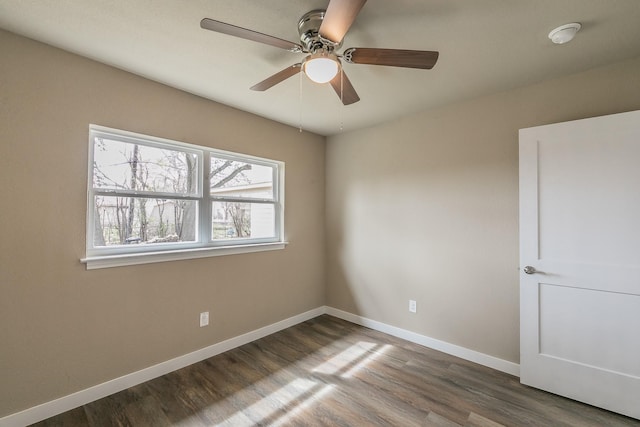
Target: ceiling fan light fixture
{"x":321,"y":67}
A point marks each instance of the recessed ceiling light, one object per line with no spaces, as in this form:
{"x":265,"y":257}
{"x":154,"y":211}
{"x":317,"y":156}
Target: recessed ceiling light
{"x":564,"y":33}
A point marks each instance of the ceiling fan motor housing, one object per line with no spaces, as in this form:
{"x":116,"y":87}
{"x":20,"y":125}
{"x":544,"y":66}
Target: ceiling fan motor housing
{"x":308,"y":28}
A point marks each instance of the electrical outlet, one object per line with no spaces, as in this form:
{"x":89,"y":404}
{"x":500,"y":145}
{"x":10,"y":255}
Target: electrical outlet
{"x":204,"y":318}
{"x":412,"y":306}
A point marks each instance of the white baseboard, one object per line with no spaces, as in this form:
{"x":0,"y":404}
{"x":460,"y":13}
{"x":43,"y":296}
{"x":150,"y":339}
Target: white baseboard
{"x":66,"y":403}
{"x":445,"y":347}
{"x":74,"y":400}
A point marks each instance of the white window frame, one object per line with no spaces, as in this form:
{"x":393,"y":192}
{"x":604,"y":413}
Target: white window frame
{"x":204,"y":246}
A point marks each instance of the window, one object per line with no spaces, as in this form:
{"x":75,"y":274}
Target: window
{"x":153,"y":199}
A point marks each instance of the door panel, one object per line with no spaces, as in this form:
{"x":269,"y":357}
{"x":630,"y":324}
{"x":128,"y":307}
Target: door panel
{"x":580,"y":231}
{"x":591,"y":194}
{"x":569,"y":334}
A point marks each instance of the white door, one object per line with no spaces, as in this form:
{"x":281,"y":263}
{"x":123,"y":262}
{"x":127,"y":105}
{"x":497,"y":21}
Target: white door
{"x":580,"y":247}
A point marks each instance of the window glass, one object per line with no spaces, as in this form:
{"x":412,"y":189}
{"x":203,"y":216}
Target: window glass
{"x":231,"y":178}
{"x":234,"y":220}
{"x":130,"y":166}
{"x":143,"y":221}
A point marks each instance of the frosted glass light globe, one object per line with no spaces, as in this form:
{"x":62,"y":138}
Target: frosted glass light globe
{"x":321,"y":67}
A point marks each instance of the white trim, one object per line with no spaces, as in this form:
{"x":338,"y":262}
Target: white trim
{"x":74,"y":400}
{"x":164,"y":256}
{"x":445,"y":347}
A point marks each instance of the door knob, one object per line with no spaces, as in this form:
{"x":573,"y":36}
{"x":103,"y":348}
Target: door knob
{"x":529,"y":270}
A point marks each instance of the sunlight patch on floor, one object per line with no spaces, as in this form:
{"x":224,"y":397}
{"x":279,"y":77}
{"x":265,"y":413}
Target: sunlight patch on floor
{"x":287,"y":418}
{"x":283,"y":405}
{"x":346,"y":358}
{"x":377,"y":352}
{"x":284,"y":396}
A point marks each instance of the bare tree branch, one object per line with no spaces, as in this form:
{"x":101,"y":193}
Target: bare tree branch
{"x":231,"y":176}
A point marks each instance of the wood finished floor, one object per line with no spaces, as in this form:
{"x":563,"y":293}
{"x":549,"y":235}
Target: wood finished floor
{"x":328,"y":372}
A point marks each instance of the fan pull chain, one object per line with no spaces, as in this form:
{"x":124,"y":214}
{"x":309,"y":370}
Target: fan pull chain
{"x":300,"y":103}
{"x":341,"y":97}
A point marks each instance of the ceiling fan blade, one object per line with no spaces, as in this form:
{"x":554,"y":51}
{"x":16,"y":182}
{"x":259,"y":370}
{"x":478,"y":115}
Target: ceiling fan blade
{"x":343,"y":87}
{"x":338,"y":18}
{"x":243,"y":33}
{"x":277,"y":78}
{"x":392,"y":57}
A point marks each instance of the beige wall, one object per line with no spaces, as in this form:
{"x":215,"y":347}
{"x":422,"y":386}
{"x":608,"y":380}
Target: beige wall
{"x":63,"y":328}
{"x":426,"y":208}
{"x":420,"y":208}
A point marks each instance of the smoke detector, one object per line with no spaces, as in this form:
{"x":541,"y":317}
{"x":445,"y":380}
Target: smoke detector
{"x":564,"y":33}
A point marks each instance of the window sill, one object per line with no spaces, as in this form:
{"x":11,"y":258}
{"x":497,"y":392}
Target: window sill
{"x":96,"y":262}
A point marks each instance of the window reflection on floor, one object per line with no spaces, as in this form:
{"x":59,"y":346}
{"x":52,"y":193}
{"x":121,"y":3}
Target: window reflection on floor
{"x":283,"y":405}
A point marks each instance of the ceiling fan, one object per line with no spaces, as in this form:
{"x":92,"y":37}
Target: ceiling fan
{"x":321,"y":35}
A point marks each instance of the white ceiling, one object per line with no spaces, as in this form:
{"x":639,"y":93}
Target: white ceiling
{"x":485,"y":46}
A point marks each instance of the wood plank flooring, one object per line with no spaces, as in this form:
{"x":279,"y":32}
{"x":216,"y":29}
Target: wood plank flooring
{"x":328,"y":372}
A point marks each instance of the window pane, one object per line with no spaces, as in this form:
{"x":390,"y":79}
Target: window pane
{"x":233,"y":220}
{"x":138,"y":221}
{"x":231,"y":178}
{"x":134,"y":167}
